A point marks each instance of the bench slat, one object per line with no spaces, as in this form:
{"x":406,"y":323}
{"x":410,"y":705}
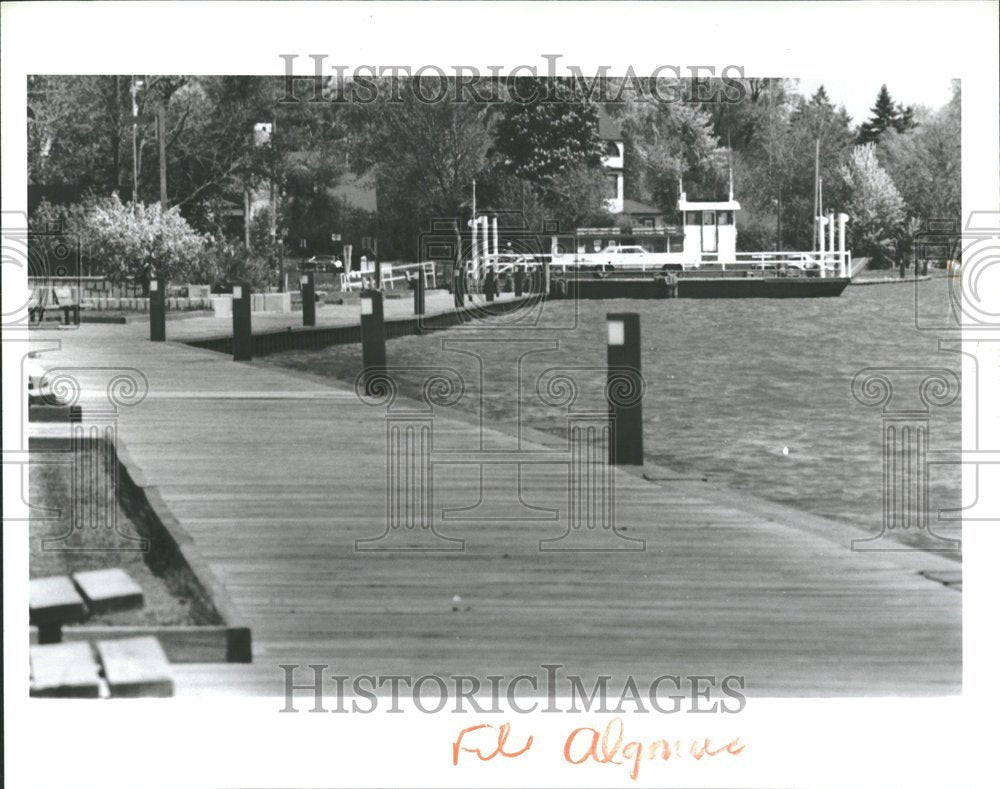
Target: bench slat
{"x":108,"y":590}
{"x":54,"y":600}
{"x":135,"y":667}
{"x":64,"y":671}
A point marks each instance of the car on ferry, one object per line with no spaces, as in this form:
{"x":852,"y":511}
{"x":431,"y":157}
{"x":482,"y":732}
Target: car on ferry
{"x":632,"y":257}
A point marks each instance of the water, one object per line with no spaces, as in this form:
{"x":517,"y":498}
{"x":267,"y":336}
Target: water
{"x":731,"y":384}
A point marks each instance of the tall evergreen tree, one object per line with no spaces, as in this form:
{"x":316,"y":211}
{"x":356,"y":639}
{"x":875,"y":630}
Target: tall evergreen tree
{"x":885,"y":115}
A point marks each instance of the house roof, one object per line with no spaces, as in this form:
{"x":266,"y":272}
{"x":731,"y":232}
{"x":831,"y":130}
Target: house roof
{"x":702,"y":205}
{"x":607,"y":127}
{"x":635,"y":207}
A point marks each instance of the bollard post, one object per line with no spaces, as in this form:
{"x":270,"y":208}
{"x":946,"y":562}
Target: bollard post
{"x":157,"y":310}
{"x":624,"y":389}
{"x":490,"y":284}
{"x":419,"y":292}
{"x":372,"y":336}
{"x":457,"y":287}
{"x":308,"y":283}
{"x":518,"y":280}
{"x":242,"y":338}
{"x":546,"y":282}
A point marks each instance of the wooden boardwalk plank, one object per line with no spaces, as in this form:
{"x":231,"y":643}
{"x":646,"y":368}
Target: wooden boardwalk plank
{"x":274,"y":476}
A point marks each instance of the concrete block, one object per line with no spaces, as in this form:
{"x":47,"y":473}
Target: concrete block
{"x":199,"y":291}
{"x":108,"y":590}
{"x":54,"y":600}
{"x":223,"y":306}
{"x":278,"y":302}
{"x":135,"y":667}
{"x":64,"y":671}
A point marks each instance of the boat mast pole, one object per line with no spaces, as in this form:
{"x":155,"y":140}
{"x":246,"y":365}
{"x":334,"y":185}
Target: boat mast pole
{"x":475,"y":227}
{"x":817,"y":229}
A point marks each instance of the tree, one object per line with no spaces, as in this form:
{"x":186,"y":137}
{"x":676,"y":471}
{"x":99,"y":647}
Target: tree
{"x":875,"y":205}
{"x":128,"y":241}
{"x":424,"y":156}
{"x":80,"y":134}
{"x":885,"y":115}
{"x":926,"y":162}
{"x":775,"y":171}
{"x":557,"y":131}
{"x":666,"y":143}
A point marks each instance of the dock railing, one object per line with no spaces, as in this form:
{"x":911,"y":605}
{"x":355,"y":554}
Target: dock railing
{"x":826,"y":263}
{"x":391,"y":274}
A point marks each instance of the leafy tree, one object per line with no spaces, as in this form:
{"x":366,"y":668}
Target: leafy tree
{"x":554,"y":133}
{"x":423,"y":155}
{"x":926,"y":162}
{"x":666,"y":143}
{"x":775,"y":172}
{"x":875,"y":205}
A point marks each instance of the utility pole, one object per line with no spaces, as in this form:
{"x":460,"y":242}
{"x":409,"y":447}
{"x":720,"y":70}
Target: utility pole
{"x":161,"y":134}
{"x":274,"y":209}
{"x":135,"y":141}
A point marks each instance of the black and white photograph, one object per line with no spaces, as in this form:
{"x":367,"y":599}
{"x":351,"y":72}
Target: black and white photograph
{"x":500,"y":394}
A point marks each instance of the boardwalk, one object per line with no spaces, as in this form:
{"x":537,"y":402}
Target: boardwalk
{"x":275,"y":476}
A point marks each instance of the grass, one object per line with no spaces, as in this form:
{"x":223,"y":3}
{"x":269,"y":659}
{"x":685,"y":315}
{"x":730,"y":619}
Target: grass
{"x":93,"y":548}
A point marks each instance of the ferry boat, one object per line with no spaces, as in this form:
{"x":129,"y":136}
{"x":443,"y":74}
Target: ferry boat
{"x":696,"y":259}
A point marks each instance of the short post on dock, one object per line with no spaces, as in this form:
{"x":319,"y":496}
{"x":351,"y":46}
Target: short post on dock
{"x":242,"y":336}
{"x":157,"y":310}
{"x":372,"y":336}
{"x":624,"y":389}
{"x":419,"y":292}
{"x":308,"y":283}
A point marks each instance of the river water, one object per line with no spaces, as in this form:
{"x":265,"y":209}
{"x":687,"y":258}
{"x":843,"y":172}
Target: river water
{"x":754,"y":394}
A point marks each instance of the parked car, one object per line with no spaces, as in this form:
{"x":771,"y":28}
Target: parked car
{"x":323,"y":263}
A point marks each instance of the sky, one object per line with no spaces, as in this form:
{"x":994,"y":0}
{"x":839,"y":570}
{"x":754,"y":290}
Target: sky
{"x":858,"y":94}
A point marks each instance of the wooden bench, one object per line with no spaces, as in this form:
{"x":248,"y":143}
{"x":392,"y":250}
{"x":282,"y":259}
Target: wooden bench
{"x":135,"y":667}
{"x":52,"y":603}
{"x":121,"y":668}
{"x":64,"y":671}
{"x":67,"y":301}
{"x":38,"y":300}
{"x":61,"y":600}
{"x":108,"y":590}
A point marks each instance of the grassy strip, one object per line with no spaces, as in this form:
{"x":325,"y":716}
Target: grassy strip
{"x":90,"y":548}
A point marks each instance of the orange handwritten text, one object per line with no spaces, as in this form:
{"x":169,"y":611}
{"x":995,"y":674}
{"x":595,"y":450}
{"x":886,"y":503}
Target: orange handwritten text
{"x":604,"y":747}
{"x":501,"y":740}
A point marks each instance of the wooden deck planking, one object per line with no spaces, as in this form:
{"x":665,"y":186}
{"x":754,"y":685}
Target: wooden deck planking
{"x":274,"y":476}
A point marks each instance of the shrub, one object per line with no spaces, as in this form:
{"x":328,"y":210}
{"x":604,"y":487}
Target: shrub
{"x":127,"y":241}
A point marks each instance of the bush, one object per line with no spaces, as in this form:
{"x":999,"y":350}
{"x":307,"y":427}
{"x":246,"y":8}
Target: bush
{"x":127,"y":241}
{"x":224,"y":263}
